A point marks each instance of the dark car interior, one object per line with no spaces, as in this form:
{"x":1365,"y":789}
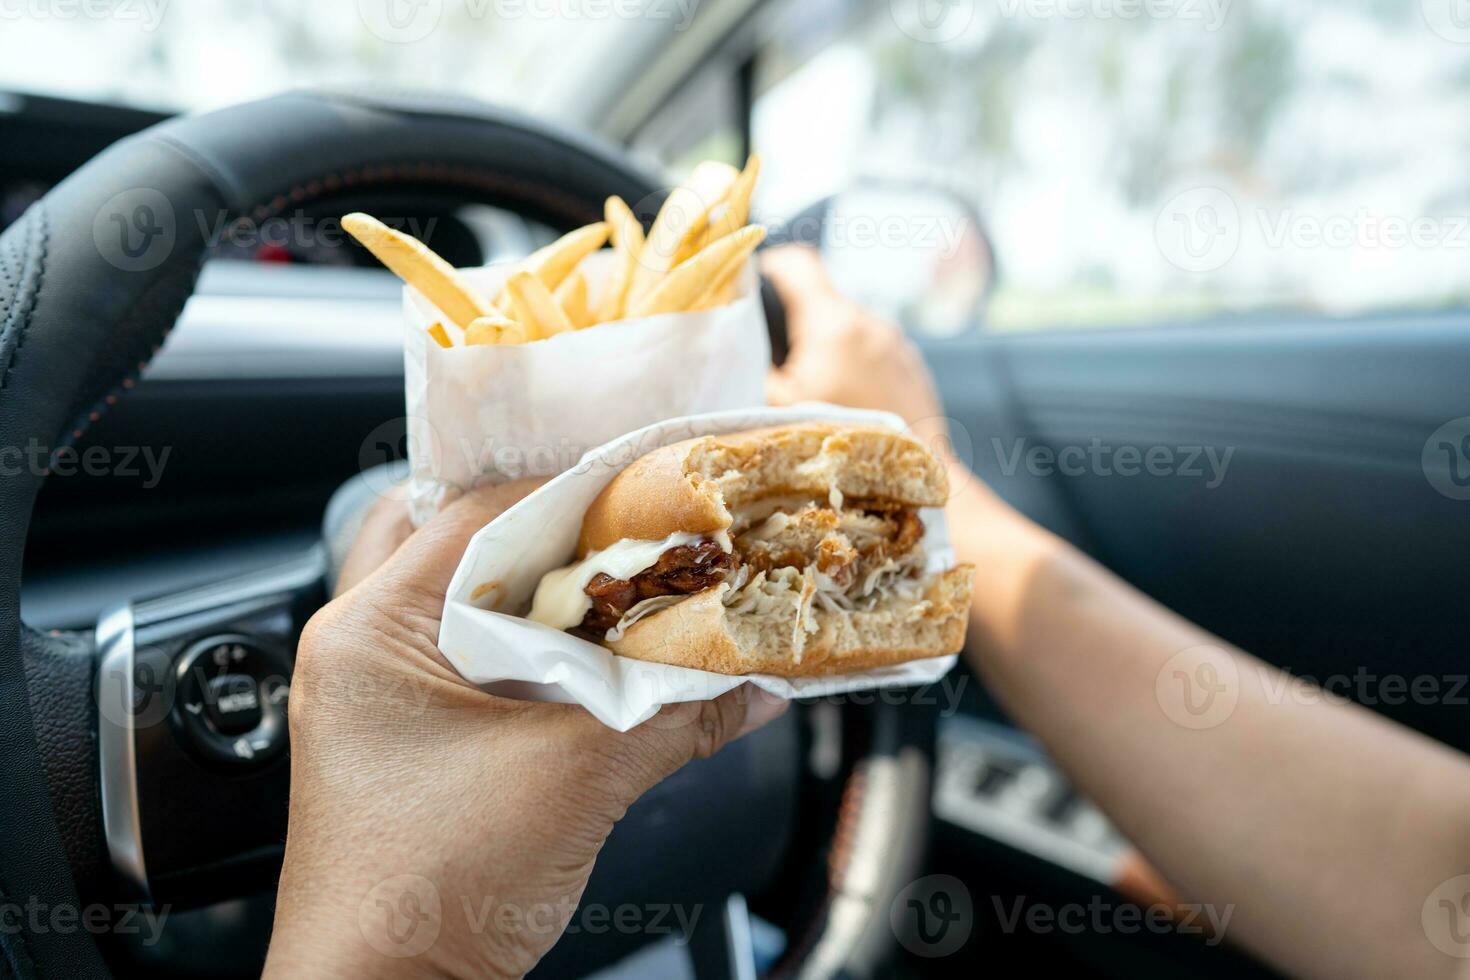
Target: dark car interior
{"x":196,"y":535}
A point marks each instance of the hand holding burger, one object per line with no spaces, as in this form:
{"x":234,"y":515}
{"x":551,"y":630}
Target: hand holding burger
{"x":413,"y":790}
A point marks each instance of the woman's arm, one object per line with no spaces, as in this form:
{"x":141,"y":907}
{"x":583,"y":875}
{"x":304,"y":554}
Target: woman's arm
{"x":1325,"y":826}
{"x":1329,"y":829}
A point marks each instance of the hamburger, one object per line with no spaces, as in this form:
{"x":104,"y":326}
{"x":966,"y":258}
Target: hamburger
{"x":794,"y":551}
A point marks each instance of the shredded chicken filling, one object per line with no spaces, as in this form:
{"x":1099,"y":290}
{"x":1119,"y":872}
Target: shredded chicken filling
{"x":833,"y":554}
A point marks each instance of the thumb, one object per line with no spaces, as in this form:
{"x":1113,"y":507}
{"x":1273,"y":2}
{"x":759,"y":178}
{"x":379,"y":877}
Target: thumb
{"x":795,"y":271}
{"x":681,"y":733}
{"x":781,"y":390}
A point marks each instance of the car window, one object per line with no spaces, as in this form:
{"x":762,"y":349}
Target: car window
{"x":543,"y":56}
{"x":1147,"y":161}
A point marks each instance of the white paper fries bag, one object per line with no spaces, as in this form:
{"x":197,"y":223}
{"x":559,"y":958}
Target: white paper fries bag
{"x":517,"y":658}
{"x":491,"y":414}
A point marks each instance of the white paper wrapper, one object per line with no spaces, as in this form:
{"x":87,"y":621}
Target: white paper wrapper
{"x":490,"y":414}
{"x":516,"y":658}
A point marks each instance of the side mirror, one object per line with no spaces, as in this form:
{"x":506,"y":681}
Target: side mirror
{"x":917,"y":255}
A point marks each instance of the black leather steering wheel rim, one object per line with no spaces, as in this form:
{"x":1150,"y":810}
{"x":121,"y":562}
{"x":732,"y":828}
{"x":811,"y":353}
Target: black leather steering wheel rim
{"x":92,"y":278}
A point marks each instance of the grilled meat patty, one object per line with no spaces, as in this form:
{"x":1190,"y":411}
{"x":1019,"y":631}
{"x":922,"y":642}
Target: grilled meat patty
{"x":684,"y":570}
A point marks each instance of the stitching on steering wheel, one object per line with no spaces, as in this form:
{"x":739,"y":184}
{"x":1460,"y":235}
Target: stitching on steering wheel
{"x":431,"y":171}
{"x":19,"y":316}
{"x":169,"y":313}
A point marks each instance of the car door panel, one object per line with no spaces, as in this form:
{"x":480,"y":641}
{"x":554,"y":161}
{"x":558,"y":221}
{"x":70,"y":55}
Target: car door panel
{"x":1312,"y":537}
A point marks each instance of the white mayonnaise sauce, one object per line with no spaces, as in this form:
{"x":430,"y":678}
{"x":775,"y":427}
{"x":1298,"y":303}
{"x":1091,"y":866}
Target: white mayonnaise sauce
{"x":561,"y":599}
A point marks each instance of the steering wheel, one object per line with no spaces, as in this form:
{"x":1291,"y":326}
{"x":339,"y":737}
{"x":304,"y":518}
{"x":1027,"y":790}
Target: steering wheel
{"x":113,"y":788}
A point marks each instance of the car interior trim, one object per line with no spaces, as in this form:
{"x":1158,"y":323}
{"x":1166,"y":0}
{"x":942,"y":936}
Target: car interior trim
{"x":116,"y":749}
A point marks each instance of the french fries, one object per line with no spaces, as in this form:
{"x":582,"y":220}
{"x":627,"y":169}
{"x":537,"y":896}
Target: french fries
{"x":534,"y":306}
{"x":627,"y":240}
{"x":691,"y":279}
{"x":571,"y":296}
{"x":689,"y":260}
{"x":684,"y":216}
{"x":495,"y":329}
{"x":721,"y":288}
{"x":556,"y":261}
{"x":624,"y":227}
{"x":419,"y":266}
{"x":730,"y":214}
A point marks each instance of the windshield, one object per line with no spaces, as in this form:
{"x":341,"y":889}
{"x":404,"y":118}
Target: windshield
{"x":171,"y":55}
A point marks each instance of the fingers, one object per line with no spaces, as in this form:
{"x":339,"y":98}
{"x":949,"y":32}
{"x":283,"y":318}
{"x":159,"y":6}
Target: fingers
{"x":781,"y":390}
{"x":800,"y":280}
{"x":425,"y":563}
{"x":384,"y":528}
{"x":681,"y":733}
{"x":796,"y":271}
{"x":763,"y":708}
{"x":401,"y":597}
